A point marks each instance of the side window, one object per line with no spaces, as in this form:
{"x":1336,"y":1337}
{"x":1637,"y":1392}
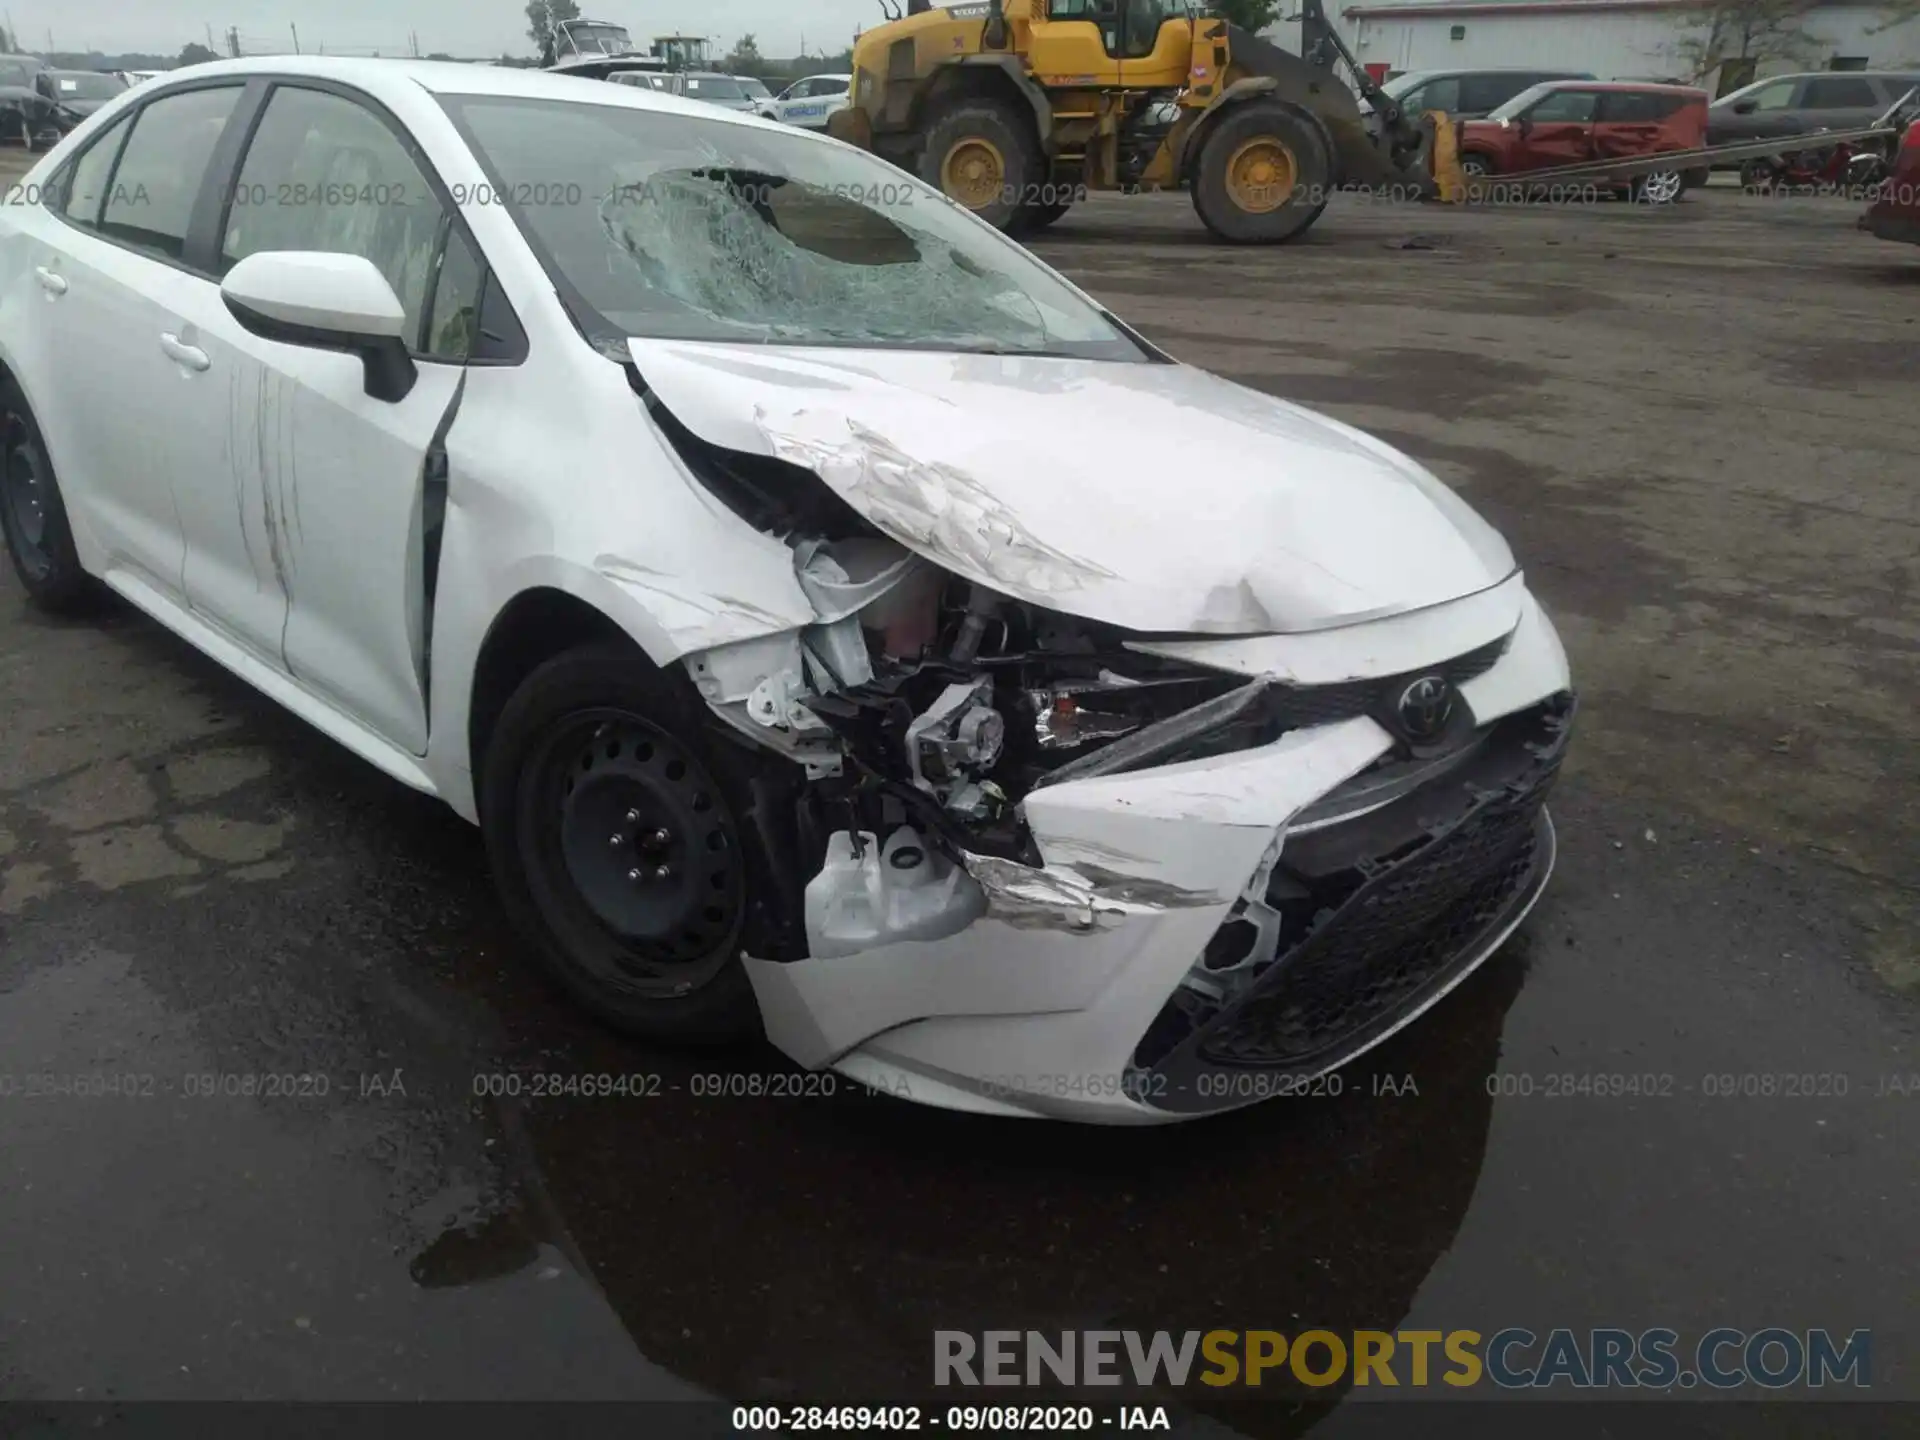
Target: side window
{"x":165,"y":159}
{"x":1778,"y":96}
{"x":1481,"y":93}
{"x":1839,"y":95}
{"x":453,"y":319}
{"x":86,"y":186}
{"x":1574,"y":107}
{"x":1443,"y":94}
{"x":325,"y":173}
{"x":1630,"y":107}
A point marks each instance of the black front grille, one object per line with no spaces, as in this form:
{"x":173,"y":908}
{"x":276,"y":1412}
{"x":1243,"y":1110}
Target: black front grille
{"x":1369,"y":930}
{"x":1296,"y":707}
{"x":1384,"y":947}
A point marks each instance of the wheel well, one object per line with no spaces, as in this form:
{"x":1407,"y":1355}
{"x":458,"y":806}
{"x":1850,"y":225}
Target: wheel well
{"x":952,"y":84}
{"x":536,"y":626}
{"x":1231,"y":102}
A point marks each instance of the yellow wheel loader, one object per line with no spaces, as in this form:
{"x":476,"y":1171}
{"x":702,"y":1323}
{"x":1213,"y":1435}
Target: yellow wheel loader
{"x":1015,"y":108}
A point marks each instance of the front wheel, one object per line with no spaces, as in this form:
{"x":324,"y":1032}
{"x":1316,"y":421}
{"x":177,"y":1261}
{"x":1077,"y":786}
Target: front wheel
{"x":983,"y":155}
{"x":615,"y":837}
{"x":1263,"y":175}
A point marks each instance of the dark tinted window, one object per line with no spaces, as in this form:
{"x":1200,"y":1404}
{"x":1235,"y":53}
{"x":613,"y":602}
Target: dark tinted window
{"x":1632,"y":107}
{"x":1481,"y":93}
{"x":453,"y":317}
{"x":87,"y":181}
{"x":160,"y":171}
{"x":1568,"y":106}
{"x":1441,"y":94}
{"x":1839,"y":94}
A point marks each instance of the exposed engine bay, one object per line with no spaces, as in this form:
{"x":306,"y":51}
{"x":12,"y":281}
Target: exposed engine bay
{"x":923,"y":709}
{"x":1098,"y":787}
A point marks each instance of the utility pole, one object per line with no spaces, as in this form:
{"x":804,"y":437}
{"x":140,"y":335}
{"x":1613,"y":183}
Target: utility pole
{"x":296,"y":36}
{"x":233,"y":41}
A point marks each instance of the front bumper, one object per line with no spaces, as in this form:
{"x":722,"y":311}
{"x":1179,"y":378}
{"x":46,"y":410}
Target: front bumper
{"x":1117,"y":984}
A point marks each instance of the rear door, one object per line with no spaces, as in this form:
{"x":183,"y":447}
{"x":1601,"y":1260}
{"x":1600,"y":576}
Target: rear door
{"x":113,"y":267}
{"x":1558,"y":129}
{"x":1839,"y":102}
{"x":1627,"y":123}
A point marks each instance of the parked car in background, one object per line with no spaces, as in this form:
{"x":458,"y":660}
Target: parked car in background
{"x":807,"y":103}
{"x":1792,"y":104}
{"x":657,"y":80}
{"x":1895,"y":212}
{"x":28,"y":114}
{"x":1468,"y":94}
{"x":727,"y":91}
{"x":81,"y":92}
{"x":1571,"y":122}
{"x":756,"y":88}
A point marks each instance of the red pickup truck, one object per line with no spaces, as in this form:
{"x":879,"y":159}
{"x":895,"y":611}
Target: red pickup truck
{"x":1895,"y":212}
{"x":1569,"y":122}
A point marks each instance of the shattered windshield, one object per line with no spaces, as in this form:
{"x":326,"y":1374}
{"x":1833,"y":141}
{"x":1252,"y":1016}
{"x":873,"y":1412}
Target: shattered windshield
{"x":680,"y":227}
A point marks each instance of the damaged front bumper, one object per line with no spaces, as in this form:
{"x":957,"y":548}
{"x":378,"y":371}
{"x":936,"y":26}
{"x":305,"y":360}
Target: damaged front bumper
{"x":1209,"y":933}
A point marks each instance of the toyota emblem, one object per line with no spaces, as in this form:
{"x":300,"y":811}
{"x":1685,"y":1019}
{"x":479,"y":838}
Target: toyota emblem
{"x":1425,"y":707}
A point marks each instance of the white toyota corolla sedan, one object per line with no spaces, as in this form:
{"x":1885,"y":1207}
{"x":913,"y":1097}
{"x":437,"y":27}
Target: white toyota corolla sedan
{"x":838,"y":623}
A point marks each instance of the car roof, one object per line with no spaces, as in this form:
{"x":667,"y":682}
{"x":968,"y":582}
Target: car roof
{"x":391,"y":79}
{"x":1550,"y":71}
{"x":1636,"y":86}
{"x":388,"y":77}
{"x":1836,"y":75}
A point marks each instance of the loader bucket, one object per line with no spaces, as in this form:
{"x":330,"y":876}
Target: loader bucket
{"x":1403,"y":158}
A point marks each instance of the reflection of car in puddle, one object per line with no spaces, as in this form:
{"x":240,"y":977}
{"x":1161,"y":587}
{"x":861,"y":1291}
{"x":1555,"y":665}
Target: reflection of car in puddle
{"x":793,"y":1249}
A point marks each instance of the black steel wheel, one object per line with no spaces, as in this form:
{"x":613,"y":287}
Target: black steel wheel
{"x":33,"y":516}
{"x":615,"y":837}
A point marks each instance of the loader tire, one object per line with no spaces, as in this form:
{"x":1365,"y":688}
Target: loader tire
{"x":982,"y":154}
{"x":1034,"y":218}
{"x":1263,"y":176}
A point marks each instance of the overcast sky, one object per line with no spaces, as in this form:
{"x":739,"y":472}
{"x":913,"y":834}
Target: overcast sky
{"x":458,"y":27}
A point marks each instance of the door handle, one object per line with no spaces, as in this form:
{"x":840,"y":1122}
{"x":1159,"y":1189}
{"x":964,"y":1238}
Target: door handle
{"x":51,"y":283}
{"x":191,"y":356}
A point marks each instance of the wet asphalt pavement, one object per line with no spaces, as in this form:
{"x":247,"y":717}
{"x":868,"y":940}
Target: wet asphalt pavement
{"x":1697,"y":430}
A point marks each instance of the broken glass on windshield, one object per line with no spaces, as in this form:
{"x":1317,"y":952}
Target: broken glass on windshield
{"x":672,"y":226}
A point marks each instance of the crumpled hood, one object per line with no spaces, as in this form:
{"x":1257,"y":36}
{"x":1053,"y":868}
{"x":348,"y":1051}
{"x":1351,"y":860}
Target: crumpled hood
{"x":1153,"y":497}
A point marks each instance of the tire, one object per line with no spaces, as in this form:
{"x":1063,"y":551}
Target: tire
{"x":34,"y":516}
{"x":1694,"y":179}
{"x":1234,"y":146}
{"x":1034,"y":218}
{"x":1475,"y":166}
{"x":982,"y":154}
{"x":1661,"y":188}
{"x":1756,"y":175}
{"x":614,"y":829}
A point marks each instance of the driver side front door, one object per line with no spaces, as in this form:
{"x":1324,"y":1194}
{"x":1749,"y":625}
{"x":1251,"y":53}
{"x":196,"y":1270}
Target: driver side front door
{"x":338,"y":484}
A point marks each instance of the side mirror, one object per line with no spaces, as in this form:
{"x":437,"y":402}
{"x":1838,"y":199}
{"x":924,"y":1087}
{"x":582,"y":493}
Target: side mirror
{"x":326,"y":302}
{"x":1745,"y":107}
